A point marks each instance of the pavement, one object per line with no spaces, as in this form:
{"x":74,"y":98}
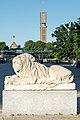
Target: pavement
{"x":6,"y":69}
{"x":41,"y":117}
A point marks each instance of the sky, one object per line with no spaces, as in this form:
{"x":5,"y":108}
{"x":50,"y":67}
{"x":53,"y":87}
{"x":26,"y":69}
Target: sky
{"x":21,"y":18}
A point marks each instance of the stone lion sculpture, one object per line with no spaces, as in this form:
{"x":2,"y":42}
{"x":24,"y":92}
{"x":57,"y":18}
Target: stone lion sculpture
{"x":28,"y":71}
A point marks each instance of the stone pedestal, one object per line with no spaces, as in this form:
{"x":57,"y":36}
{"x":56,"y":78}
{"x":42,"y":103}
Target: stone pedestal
{"x":32,"y":87}
{"x":40,"y":102}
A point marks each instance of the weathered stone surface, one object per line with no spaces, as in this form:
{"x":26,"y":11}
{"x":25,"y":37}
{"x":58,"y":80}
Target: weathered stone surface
{"x":68,"y":86}
{"x":30,"y":72}
{"x":40,"y":102}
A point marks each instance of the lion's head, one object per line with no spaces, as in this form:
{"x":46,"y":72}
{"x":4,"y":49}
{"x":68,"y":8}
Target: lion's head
{"x":21,"y":62}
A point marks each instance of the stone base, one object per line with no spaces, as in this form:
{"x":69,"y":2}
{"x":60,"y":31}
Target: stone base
{"x":40,"y":102}
{"x":65,"y":86}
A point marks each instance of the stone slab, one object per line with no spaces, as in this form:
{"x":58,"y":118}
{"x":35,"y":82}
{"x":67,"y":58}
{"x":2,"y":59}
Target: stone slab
{"x":40,"y":102}
{"x":68,"y":86}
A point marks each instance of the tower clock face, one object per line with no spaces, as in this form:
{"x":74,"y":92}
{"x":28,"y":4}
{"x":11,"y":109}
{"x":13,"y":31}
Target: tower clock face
{"x":43,"y":17}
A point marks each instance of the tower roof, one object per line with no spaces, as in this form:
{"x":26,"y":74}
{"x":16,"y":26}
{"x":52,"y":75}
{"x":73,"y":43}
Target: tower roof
{"x":13,"y":46}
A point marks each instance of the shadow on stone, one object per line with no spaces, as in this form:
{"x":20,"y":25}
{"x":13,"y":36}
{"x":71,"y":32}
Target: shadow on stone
{"x":78,"y":105}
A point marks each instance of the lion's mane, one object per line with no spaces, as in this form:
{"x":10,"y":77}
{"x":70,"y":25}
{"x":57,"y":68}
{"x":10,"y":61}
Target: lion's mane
{"x":25,"y":65}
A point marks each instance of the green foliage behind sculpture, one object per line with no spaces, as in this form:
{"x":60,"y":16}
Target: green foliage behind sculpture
{"x":3,"y":46}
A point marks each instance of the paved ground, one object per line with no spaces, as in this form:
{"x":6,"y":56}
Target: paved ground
{"x":6,"y":69}
{"x":45,"y":117}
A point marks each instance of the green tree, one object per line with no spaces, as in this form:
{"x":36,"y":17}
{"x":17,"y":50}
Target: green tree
{"x":29,"y":45}
{"x":39,"y":45}
{"x":64,"y":38}
{"x":49,"y":46}
{"x":76,"y":37}
{"x":3,"y":46}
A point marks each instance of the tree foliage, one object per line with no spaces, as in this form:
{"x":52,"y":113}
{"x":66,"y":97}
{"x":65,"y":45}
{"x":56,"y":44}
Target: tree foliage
{"x":29,"y":45}
{"x":49,"y":46}
{"x":39,"y":45}
{"x":3,"y":46}
{"x":68,"y":40}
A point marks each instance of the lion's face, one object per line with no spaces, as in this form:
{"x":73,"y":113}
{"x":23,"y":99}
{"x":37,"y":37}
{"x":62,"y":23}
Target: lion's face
{"x":17,"y":64}
{"x":20,"y":61}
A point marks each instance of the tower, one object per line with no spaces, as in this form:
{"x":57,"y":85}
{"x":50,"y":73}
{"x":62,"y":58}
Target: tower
{"x":43,"y":27}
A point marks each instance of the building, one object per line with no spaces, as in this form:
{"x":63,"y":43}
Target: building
{"x":13,"y":46}
{"x":43,"y":26}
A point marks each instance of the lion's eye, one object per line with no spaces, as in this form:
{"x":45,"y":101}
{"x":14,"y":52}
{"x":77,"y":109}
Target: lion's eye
{"x":18,"y":71}
{"x":31,"y":57}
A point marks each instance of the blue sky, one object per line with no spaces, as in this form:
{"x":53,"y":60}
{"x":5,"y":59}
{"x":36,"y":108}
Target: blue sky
{"x":22,"y":18}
